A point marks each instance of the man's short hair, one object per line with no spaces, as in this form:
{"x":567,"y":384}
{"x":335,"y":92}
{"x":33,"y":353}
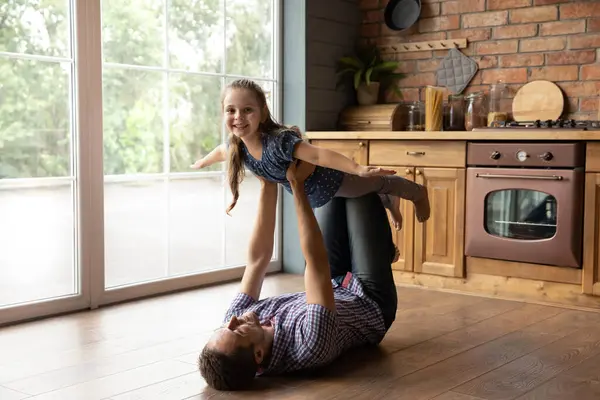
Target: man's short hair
{"x":235,"y":371}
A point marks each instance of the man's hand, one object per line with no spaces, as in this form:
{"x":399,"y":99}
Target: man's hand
{"x":263,"y":181}
{"x":298,"y":171}
{"x":366,"y":171}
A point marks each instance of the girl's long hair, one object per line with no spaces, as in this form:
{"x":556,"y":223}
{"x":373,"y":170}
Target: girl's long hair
{"x":235,"y":170}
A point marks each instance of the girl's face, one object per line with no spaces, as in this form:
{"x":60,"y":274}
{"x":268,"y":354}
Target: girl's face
{"x":243,"y":113}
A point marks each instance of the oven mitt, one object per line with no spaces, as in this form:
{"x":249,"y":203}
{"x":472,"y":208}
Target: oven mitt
{"x":456,"y":71}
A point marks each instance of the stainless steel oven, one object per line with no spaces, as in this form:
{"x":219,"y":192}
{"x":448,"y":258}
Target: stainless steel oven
{"x":525,"y":202}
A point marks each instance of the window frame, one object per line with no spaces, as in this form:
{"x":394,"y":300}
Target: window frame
{"x":87,"y":172}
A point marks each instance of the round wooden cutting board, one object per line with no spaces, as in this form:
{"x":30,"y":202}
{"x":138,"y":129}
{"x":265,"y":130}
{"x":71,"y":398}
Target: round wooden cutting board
{"x":538,"y":100}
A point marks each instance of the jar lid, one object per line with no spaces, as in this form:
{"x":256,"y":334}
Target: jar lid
{"x":474,"y":95}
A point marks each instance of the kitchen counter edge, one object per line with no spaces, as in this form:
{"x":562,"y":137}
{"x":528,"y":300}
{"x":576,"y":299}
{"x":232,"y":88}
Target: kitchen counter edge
{"x":482,"y":134}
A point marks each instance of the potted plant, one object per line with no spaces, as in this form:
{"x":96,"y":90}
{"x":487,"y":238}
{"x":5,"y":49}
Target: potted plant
{"x":368,"y":72}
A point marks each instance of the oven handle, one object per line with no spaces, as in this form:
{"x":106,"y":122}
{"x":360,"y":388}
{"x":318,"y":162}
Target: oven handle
{"x":537,"y":177}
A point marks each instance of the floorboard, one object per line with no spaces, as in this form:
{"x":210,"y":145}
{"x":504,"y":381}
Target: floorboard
{"x":442,"y":346}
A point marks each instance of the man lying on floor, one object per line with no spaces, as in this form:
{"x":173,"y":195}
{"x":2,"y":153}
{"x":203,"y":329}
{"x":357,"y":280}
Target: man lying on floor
{"x":350,"y":298}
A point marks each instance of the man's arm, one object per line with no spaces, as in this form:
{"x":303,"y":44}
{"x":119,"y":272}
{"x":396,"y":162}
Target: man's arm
{"x":218,"y":154}
{"x":261,"y":242}
{"x":317,"y":277}
{"x":332,"y":159}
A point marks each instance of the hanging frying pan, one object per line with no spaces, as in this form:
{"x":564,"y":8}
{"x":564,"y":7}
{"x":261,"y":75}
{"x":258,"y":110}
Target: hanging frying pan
{"x":400,"y":15}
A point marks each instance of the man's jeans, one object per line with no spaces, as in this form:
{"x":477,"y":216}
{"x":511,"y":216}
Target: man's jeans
{"x":358,"y":239}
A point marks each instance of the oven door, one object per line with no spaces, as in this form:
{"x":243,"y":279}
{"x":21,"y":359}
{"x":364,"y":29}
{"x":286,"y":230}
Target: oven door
{"x":525,"y":215}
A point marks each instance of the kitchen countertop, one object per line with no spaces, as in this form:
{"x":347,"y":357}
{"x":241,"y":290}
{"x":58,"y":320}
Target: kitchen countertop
{"x":479,"y":134}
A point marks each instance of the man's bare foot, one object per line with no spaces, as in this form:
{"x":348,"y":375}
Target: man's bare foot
{"x":395,"y":212}
{"x":422,"y":207}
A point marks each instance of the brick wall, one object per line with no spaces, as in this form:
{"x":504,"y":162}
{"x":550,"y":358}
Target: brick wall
{"x":516,"y":41}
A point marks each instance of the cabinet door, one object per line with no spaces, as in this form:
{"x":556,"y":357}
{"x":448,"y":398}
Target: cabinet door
{"x":403,"y":239}
{"x":591,"y":235}
{"x":357,"y":150}
{"x":439,"y":242}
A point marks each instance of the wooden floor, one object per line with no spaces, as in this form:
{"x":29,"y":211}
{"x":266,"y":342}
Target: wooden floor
{"x":442,"y":346}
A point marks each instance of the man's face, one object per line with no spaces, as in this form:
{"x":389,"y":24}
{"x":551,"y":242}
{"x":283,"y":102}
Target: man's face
{"x":242,"y":331}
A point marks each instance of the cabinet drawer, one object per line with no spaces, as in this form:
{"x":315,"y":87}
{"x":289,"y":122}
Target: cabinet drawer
{"x":420,"y":153}
{"x":592,"y":157}
{"x":353,"y":149}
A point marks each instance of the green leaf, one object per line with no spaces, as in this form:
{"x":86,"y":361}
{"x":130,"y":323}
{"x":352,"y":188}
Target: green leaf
{"x":351,"y":61}
{"x":387,"y":66}
{"x":345,"y":71}
{"x":357,"y":76}
{"x":368,"y":76}
{"x":397,"y":91}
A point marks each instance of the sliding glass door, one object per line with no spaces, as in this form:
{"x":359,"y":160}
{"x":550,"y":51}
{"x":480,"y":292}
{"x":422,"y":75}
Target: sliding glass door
{"x":39,"y":241}
{"x":104,"y":105}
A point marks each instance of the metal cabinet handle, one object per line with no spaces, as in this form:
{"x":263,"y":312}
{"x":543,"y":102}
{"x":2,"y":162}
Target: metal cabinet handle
{"x":361,"y":144}
{"x":418,"y":172}
{"x":415,"y":153}
{"x":408,"y":171}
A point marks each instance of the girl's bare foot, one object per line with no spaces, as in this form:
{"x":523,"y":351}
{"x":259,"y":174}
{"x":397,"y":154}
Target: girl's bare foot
{"x":395,"y":211}
{"x":422,"y":207}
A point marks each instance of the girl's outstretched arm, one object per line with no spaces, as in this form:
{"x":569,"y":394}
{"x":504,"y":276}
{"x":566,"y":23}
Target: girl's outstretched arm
{"x":218,"y":154}
{"x":332,"y":159}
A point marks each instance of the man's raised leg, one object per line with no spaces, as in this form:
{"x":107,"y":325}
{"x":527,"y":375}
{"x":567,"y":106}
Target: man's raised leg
{"x":373,"y":250}
{"x":332,"y":221}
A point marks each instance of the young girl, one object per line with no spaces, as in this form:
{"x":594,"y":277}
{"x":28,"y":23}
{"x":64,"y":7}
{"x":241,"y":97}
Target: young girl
{"x":266,"y":148}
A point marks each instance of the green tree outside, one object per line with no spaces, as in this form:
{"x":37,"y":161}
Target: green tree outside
{"x":35,"y":119}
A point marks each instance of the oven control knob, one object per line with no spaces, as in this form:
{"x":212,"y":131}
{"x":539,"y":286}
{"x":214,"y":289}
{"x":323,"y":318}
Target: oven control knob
{"x":522,"y":156}
{"x":547,"y":156}
{"x":495,"y":155}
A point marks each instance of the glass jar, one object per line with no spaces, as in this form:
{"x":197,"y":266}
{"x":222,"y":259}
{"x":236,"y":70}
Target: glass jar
{"x":495,"y":112}
{"x":476,"y":111}
{"x":414,"y":120}
{"x":455,"y":120}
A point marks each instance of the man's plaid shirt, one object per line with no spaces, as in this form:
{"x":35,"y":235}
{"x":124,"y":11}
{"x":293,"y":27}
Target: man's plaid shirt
{"x":309,"y":335}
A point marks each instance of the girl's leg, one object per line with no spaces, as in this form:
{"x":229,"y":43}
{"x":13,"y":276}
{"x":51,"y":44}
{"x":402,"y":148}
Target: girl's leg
{"x":390,"y":188}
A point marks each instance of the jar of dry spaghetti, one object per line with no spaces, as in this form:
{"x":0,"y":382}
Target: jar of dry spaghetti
{"x":434,"y":108}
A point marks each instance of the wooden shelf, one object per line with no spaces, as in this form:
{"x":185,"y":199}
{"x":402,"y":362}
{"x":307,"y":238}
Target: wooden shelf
{"x":405,"y":47}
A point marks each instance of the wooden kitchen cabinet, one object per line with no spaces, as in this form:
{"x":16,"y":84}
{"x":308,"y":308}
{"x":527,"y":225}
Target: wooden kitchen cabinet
{"x":404,"y":238}
{"x":432,"y":254}
{"x":437,"y":246}
{"x":357,"y":150}
{"x":439,"y":242}
{"x":591,"y":234}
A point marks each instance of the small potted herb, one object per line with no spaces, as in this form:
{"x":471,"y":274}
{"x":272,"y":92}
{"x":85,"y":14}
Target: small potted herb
{"x":367,"y":72}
